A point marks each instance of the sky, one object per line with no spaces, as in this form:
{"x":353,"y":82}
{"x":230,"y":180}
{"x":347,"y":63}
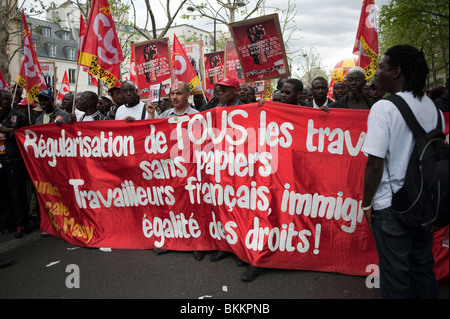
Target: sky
{"x":328,"y":25}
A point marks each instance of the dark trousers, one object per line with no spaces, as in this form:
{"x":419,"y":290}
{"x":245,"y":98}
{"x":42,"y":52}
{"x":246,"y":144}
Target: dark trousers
{"x":406,"y":259}
{"x":13,"y":195}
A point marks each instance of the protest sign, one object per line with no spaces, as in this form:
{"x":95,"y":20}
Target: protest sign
{"x":214,"y":69}
{"x":260,"y":47}
{"x":153,"y":66}
{"x":278,"y":185}
{"x":233,"y":66}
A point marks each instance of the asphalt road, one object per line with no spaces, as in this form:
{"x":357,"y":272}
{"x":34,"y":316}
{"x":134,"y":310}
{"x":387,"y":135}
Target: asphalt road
{"x":43,"y":265}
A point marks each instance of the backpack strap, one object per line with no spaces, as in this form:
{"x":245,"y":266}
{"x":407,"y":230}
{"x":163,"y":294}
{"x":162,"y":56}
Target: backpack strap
{"x":408,"y":115}
{"x":144,"y":113}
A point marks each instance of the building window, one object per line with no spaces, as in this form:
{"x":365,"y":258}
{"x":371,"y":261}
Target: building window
{"x":71,"y":75}
{"x":46,"y":32}
{"x":71,"y":53}
{"x":65,"y":36}
{"x":51,"y":50}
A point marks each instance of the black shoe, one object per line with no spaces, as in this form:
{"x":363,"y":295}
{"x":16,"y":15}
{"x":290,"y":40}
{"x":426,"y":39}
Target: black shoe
{"x":160,"y":251}
{"x":198,"y":255}
{"x":251,"y":273}
{"x":240,"y":263}
{"x":219,"y":255}
{"x":5,"y":263}
{"x":3,"y":230}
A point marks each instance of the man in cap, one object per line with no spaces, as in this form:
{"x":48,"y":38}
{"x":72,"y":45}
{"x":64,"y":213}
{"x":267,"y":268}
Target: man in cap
{"x":117,"y":98}
{"x":52,"y":113}
{"x":354,"y":99}
{"x":22,"y":106}
{"x":229,"y":92}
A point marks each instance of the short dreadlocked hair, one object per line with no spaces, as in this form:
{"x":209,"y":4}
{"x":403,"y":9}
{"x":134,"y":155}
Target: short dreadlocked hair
{"x":413,"y":65}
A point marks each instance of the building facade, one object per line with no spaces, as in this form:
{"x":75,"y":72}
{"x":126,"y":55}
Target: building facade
{"x":56,"y":43}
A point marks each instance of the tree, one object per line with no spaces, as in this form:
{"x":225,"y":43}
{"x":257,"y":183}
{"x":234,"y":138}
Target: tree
{"x":170,"y":15}
{"x":309,"y":66}
{"x":9,"y":28}
{"x":423,"y":24}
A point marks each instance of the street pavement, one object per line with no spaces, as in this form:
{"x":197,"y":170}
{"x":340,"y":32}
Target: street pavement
{"x":44,"y":265}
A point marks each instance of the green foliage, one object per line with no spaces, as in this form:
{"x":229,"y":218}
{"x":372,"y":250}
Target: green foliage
{"x":423,"y":24}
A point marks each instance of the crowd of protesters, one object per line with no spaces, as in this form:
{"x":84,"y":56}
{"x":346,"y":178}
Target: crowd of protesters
{"x":19,"y":205}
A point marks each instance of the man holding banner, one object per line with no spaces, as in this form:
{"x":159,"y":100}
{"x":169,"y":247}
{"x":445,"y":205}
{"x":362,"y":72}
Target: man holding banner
{"x":179,"y":97}
{"x":12,"y":169}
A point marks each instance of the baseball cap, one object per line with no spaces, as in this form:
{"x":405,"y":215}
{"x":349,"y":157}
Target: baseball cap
{"x":24,"y":101}
{"x":109,"y":98}
{"x":117,"y":86}
{"x":46,"y":93}
{"x":230,"y":82}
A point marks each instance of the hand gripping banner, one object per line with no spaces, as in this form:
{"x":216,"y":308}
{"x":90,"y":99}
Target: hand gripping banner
{"x":278,"y":185}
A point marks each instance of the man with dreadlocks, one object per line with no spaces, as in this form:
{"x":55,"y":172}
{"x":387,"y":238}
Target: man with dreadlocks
{"x":405,"y":256}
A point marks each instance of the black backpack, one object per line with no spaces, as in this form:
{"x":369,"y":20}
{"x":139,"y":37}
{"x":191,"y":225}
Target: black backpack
{"x":423,"y":201}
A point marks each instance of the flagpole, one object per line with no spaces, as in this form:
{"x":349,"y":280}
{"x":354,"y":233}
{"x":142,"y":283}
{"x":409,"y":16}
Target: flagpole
{"x":360,"y":48}
{"x":76,"y":88}
{"x":29,"y":112}
{"x":14,"y":96}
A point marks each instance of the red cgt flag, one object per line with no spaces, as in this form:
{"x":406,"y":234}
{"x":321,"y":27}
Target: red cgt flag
{"x":101,"y":50}
{"x":30,"y":75}
{"x":182,"y":67}
{"x":366,"y":44}
{"x":65,"y":87}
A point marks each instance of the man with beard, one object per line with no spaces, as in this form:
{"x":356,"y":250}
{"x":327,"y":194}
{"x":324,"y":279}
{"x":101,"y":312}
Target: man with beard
{"x":355,"y":99}
{"x":179,"y":97}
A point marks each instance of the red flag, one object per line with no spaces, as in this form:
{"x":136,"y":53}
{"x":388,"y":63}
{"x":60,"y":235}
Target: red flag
{"x":93,"y":80}
{"x":101,"y":50}
{"x":3,"y":83}
{"x":132,"y":66}
{"x":81,"y":34}
{"x":30,"y":74}
{"x":65,"y":87}
{"x":182,"y":67}
{"x":330,"y":90}
{"x":366,"y":44}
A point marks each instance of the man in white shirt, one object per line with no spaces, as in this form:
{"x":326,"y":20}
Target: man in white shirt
{"x":133,"y":108}
{"x":405,"y":256}
{"x":88,"y":104}
{"x":319,"y":88}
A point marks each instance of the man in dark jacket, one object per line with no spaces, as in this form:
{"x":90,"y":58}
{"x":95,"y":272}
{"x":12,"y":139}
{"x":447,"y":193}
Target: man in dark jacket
{"x":12,"y":168}
{"x":355,"y":99}
{"x":51,"y":112}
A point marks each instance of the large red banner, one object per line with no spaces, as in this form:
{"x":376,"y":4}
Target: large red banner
{"x":278,"y":185}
